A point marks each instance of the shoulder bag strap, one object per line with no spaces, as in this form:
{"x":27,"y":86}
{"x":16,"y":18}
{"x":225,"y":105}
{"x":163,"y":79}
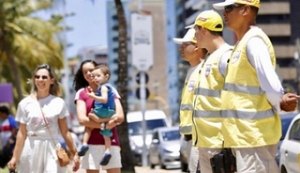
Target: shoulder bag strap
{"x":47,"y":125}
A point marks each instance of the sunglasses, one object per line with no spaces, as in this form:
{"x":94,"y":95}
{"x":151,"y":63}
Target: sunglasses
{"x":44,"y":77}
{"x":229,"y":8}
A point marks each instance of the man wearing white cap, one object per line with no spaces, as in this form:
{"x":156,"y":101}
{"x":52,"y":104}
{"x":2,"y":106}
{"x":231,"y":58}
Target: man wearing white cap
{"x":207,"y":101}
{"x":193,"y":55}
{"x":253,"y":93}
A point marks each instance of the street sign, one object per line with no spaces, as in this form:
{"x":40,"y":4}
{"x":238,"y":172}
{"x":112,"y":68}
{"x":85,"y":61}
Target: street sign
{"x":138,"y":95}
{"x":141,"y":41}
{"x":138,"y":77}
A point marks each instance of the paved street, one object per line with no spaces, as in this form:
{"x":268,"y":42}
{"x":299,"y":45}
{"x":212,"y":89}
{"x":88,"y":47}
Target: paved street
{"x":145,"y":170}
{"x":156,"y":170}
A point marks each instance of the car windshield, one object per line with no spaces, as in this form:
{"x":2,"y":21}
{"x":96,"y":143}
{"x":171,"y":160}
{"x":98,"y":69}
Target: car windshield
{"x":135,"y":128}
{"x":170,"y":135}
{"x":286,"y":120}
{"x":285,"y":125}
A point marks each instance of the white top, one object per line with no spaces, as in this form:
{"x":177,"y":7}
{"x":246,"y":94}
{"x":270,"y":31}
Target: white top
{"x":29,"y":113}
{"x":189,"y":72}
{"x":225,"y":57}
{"x":259,"y":57}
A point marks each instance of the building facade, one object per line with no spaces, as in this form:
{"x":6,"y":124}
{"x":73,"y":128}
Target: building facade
{"x":280,"y":20}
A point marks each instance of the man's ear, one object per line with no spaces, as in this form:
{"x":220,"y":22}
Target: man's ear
{"x":245,"y":10}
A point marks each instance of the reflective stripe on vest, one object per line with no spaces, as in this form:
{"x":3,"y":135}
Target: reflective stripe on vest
{"x":207,"y":114}
{"x":243,"y":89}
{"x":185,"y":129}
{"x":186,"y":107}
{"x":248,"y":115}
{"x":207,"y":92}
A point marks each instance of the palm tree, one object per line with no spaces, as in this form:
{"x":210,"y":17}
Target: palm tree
{"x":26,"y":41}
{"x":127,"y":158}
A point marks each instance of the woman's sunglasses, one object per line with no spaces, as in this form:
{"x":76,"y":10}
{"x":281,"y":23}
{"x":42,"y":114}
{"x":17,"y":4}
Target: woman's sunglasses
{"x":44,"y":77}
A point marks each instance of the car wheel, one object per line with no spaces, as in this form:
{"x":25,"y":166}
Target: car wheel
{"x":162,"y":166}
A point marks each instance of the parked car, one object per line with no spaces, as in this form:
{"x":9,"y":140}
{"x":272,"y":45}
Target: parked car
{"x":153,"y":119}
{"x":164,"y":148}
{"x":286,"y":119}
{"x":290,"y":148}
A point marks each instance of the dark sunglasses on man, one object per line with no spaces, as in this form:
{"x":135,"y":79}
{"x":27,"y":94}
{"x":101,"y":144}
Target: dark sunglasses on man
{"x":229,"y":8}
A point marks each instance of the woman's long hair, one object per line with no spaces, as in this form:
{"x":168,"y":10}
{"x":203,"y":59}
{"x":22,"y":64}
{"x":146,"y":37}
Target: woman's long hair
{"x":79,"y":80}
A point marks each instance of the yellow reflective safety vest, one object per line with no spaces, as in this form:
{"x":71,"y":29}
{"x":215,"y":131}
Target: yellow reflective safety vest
{"x":207,"y":101}
{"x":186,"y":106}
{"x":250,"y":119}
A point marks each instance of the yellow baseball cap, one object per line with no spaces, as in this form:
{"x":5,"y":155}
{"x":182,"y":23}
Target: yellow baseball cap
{"x":210,"y":20}
{"x":221,"y":5}
{"x":188,"y":37}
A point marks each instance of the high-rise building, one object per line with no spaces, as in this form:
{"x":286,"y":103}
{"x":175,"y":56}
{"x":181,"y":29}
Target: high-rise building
{"x":112,"y":37}
{"x":158,"y":73}
{"x":280,"y":20}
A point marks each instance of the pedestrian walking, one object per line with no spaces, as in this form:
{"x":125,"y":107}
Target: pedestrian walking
{"x":42,"y":119}
{"x":104,"y":107}
{"x":8,"y":134}
{"x":83,"y":83}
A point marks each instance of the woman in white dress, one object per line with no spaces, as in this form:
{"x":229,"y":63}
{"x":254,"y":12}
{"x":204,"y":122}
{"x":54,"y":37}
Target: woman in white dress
{"x":42,"y":117}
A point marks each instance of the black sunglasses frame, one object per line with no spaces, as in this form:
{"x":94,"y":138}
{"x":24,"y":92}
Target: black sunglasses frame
{"x":44,"y":77}
{"x":230,"y":8}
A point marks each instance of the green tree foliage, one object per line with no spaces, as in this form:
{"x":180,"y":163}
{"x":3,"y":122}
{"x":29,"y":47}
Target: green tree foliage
{"x":26,"y":41}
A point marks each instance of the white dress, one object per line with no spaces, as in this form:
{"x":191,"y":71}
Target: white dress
{"x":38,"y":154}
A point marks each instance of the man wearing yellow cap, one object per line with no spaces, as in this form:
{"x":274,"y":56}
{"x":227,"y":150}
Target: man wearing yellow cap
{"x":193,"y":55}
{"x":252,"y":92}
{"x":207,"y":101}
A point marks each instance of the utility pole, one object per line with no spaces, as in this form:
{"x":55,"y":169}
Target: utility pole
{"x":142,"y":59}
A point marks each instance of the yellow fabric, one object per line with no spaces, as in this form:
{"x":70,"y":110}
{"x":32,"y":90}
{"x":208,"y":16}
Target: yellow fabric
{"x":187,"y":99}
{"x":244,"y":132}
{"x":208,"y":128}
{"x":255,"y":3}
{"x":210,"y":20}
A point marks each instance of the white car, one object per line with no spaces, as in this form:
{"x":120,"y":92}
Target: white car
{"x":153,"y":119}
{"x":290,"y":148}
{"x":164,"y":148}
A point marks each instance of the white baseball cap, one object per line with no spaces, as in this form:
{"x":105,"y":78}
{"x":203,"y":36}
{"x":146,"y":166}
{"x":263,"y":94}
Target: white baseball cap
{"x":188,"y":37}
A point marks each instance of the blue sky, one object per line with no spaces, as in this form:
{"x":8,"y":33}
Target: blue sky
{"x":88,"y":23}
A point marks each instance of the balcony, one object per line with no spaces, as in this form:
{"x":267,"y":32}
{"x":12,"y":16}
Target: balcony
{"x":268,"y":8}
{"x":276,"y":29}
{"x":284,"y":51}
{"x":287,"y":73}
